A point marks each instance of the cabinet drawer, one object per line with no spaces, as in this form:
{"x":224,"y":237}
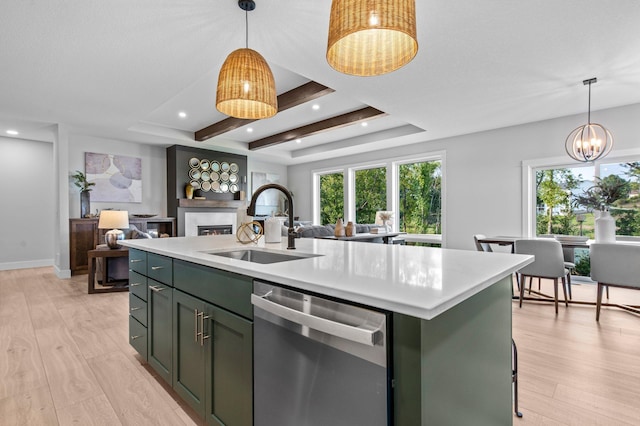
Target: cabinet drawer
{"x":226,"y":289}
{"x":138,"y":308}
{"x":138,"y":285}
{"x":138,"y":337}
{"x":160,"y":268}
{"x":138,"y":261}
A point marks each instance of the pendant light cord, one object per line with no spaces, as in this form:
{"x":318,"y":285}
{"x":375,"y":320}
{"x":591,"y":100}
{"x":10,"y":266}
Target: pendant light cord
{"x":589,"y":110}
{"x":246,"y":38}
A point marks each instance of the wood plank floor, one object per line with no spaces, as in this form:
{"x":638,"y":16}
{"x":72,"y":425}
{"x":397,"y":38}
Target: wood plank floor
{"x":65,"y":359}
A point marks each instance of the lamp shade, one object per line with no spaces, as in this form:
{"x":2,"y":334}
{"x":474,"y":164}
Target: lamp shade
{"x":371,"y":37}
{"x":114,"y":219}
{"x":246,"y":87}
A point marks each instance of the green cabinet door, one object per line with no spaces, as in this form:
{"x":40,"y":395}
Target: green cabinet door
{"x":159,"y":333}
{"x":188,"y":350}
{"x":229,"y":368}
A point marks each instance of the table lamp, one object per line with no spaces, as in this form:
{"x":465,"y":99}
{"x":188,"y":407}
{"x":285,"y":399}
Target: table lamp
{"x":113,"y":220}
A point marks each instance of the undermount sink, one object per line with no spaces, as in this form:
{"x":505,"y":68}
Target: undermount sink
{"x":261,"y":256}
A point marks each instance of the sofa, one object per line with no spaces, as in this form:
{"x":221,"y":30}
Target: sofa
{"x":313,"y":231}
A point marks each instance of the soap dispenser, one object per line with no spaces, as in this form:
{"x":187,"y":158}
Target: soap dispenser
{"x":272,"y":233}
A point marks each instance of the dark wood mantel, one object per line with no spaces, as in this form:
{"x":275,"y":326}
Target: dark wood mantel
{"x":223,"y":204}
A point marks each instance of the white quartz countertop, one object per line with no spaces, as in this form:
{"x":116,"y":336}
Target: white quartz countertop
{"x":417,"y":281}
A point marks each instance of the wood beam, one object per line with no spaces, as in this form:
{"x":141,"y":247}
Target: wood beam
{"x":319,"y":127}
{"x":294,"y":97}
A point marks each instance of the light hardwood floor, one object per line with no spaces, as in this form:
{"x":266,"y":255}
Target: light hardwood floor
{"x":65,"y":359}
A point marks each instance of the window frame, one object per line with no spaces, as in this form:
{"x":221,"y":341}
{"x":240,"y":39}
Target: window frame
{"x":392,"y":166}
{"x":530,"y":167}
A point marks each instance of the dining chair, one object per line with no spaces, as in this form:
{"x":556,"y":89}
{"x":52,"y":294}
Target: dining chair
{"x":548,"y":264}
{"x":481,"y":246}
{"x":571,"y":266}
{"x":614,"y":265}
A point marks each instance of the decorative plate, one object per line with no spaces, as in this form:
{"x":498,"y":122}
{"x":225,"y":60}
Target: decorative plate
{"x":224,"y":187}
{"x":224,"y":176}
{"x":233,"y":188}
{"x":205,"y":176}
{"x":194,"y":162}
{"x":225,"y":166}
{"x":233,"y":167}
{"x":194,"y":174}
{"x":195,"y":184}
{"x":214,"y":176}
{"x":215,"y":166}
{"x":206,"y":186}
{"x":233,"y":178}
{"x":204,"y":164}
{"x":215,"y":186}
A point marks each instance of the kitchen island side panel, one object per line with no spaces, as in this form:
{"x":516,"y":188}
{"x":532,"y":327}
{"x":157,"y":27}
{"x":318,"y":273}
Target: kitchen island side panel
{"x":466,"y":361}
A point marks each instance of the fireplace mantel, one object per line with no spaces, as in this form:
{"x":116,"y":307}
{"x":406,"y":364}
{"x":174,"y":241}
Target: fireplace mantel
{"x":224,"y":204}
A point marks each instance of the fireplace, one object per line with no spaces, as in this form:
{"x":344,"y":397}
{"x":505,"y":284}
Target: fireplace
{"x":210,"y":222}
{"x":215,"y":230}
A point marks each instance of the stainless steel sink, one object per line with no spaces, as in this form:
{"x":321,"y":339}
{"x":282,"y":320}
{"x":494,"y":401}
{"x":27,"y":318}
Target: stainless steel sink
{"x":261,"y":256}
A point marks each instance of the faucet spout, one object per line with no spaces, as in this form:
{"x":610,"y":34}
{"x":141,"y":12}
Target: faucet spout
{"x":251,"y":210}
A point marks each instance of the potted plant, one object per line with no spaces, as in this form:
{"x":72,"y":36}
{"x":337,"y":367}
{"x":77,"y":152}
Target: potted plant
{"x":601,"y":197}
{"x":80,"y":180}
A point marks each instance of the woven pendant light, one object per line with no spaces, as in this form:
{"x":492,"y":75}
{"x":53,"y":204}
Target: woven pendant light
{"x":246,"y":87}
{"x":371,"y":37}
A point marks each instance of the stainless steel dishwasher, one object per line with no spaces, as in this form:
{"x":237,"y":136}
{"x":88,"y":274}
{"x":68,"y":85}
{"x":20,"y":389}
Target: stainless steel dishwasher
{"x":318,"y":362}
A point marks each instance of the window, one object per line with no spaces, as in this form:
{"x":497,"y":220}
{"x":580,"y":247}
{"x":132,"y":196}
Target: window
{"x":565,"y":200}
{"x":370,"y":194}
{"x":331,"y":197}
{"x":420,"y":195}
{"x":411,"y":187}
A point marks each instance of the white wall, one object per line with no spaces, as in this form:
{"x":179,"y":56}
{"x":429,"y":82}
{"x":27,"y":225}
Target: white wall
{"x":154,"y":173}
{"x":484,"y":170}
{"x":256,"y":165}
{"x":26,"y":216}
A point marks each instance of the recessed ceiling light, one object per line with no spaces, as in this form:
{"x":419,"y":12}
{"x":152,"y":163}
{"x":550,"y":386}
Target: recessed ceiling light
{"x":365,"y":124}
{"x":315,"y":107}
{"x":12,"y":132}
{"x":182,"y":114}
{"x":249,"y":129}
{"x":298,"y":140}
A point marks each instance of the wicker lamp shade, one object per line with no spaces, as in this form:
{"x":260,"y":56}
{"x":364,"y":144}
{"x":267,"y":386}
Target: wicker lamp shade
{"x":246,"y":87}
{"x":371,"y":37}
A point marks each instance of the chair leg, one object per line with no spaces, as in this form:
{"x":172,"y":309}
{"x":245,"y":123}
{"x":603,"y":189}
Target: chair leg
{"x":607,"y":287}
{"x":514,"y":378}
{"x":539,"y":283}
{"x":555,"y":293}
{"x":569,"y":285}
{"x":564,"y":290}
{"x":530,"y":283}
{"x":599,"y":302}
{"x":524,"y":279}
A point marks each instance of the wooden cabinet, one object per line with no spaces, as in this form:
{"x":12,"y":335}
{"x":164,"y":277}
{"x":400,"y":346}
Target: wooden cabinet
{"x":84,"y":235}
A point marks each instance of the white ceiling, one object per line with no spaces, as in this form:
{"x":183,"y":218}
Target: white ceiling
{"x":124,"y":69}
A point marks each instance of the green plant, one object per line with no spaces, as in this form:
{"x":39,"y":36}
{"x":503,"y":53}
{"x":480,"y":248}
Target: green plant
{"x":80,"y":180}
{"x":583,"y":266}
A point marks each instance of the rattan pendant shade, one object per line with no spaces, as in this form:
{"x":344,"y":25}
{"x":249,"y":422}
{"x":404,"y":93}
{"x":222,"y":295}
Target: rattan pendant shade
{"x":371,"y":37}
{"x":246,"y":87}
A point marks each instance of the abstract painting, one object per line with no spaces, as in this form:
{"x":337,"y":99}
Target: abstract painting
{"x":118,"y":178}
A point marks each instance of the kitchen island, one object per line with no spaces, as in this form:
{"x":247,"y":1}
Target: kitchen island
{"x":451,"y":340}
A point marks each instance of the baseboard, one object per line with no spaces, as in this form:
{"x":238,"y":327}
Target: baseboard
{"x":26,"y":264}
{"x":63,"y":274}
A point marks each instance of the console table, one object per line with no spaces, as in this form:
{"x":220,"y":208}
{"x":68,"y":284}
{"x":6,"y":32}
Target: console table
{"x":105,"y":252}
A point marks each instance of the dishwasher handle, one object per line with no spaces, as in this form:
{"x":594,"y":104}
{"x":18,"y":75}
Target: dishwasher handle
{"x":348,"y":332}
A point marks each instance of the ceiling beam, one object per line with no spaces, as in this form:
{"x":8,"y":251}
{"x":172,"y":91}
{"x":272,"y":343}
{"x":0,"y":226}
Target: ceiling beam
{"x":294,"y":97}
{"x":319,"y":127}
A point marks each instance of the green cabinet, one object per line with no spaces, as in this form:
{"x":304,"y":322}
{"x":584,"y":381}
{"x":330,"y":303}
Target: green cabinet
{"x":213,"y":361}
{"x":159,"y":324}
{"x":188,"y":350}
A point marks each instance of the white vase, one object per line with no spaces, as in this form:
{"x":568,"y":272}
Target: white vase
{"x":605,"y":228}
{"x":272,"y":230}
